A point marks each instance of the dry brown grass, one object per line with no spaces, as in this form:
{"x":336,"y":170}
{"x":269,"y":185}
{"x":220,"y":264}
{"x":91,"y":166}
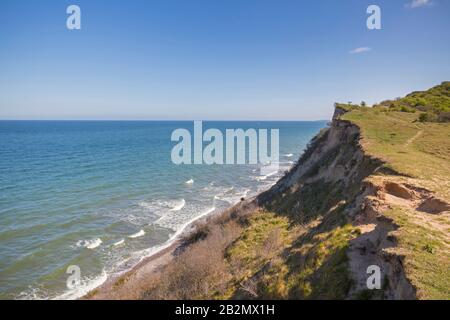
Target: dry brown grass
{"x":200,"y":269}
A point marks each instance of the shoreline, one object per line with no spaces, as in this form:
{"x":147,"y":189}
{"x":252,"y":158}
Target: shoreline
{"x":110,"y":290}
{"x":112,"y":285}
{"x":122,"y":286}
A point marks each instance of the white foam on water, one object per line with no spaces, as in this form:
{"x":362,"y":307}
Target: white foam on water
{"x":145,"y":205}
{"x":89,"y":244}
{"x":171,"y":216}
{"x":32,"y":294}
{"x":118,"y":243}
{"x":264,"y":177}
{"x":191,"y":181}
{"x":180,"y":226}
{"x":232,"y":196}
{"x":137,"y":234}
{"x":94,"y":243}
{"x":143,"y":254}
{"x":179,"y":206}
{"x":158,"y":208}
{"x":178,"y":221}
{"x":289,"y":155}
{"x":86,"y":285}
{"x":185,"y":225}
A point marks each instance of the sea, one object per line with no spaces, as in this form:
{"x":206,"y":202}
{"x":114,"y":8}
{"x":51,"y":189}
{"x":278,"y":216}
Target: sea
{"x":103,"y":195}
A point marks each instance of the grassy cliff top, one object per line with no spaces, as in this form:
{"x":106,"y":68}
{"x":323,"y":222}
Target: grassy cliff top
{"x":409,"y":147}
{"x":432,"y":105}
{"x":418,"y":152}
{"x":433,"y":101}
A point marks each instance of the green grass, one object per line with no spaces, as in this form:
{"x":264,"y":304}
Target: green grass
{"x":420,"y":152}
{"x":411,"y":148}
{"x":250,"y":244}
{"x":304,"y":262}
{"x":426,"y":250}
{"x":322,"y":270}
{"x":261,"y":241}
{"x":435,"y":102}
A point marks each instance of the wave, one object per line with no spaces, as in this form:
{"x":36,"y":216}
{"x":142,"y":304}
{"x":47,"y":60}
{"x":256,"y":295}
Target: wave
{"x":118,"y":243}
{"x":229,"y":190}
{"x":137,"y":234}
{"x":142,"y":254}
{"x":264,"y":177}
{"x":183,"y":223}
{"x":289,"y":155}
{"x":90,"y":244}
{"x":86,"y":285}
{"x":138,"y":256}
{"x":232,"y":196}
{"x":160,"y":206}
{"x":145,"y":205}
{"x":183,"y":227}
{"x":179,"y":206}
{"x":94,"y":243}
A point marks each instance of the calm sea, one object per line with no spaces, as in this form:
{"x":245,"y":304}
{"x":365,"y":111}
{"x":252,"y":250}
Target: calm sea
{"x":103,"y":194}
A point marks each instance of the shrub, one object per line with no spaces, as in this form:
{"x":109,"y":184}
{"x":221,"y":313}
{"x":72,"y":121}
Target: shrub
{"x":423,"y":117}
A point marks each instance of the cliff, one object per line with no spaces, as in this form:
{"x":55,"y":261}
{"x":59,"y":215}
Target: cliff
{"x":373,"y":189}
{"x":385,"y":175}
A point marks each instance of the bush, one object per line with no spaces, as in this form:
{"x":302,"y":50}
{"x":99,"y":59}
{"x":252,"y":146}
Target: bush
{"x":423,"y":117}
{"x":407,"y":109}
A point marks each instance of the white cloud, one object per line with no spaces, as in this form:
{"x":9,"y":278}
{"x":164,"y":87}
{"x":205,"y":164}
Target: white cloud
{"x":360,"y":50}
{"x":418,"y":3}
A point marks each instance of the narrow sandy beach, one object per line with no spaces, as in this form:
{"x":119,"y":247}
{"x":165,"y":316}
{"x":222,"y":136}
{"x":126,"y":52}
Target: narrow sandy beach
{"x":129,"y":285}
{"x":132,"y":284}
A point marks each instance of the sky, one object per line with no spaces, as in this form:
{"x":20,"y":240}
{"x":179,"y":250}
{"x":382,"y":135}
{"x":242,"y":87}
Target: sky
{"x":215,"y":60}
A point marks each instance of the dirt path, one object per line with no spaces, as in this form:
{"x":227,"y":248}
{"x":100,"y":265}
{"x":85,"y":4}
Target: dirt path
{"x":411,"y":140}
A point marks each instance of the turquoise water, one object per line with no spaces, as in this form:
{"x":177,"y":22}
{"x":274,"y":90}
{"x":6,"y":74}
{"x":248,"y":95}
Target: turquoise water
{"x":103,"y":194}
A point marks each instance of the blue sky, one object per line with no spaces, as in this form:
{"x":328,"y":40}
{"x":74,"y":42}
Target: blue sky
{"x":221,"y":59}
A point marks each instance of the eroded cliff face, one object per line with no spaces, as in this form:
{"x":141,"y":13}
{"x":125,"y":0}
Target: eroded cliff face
{"x":336,"y":177}
{"x":314,"y":234}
